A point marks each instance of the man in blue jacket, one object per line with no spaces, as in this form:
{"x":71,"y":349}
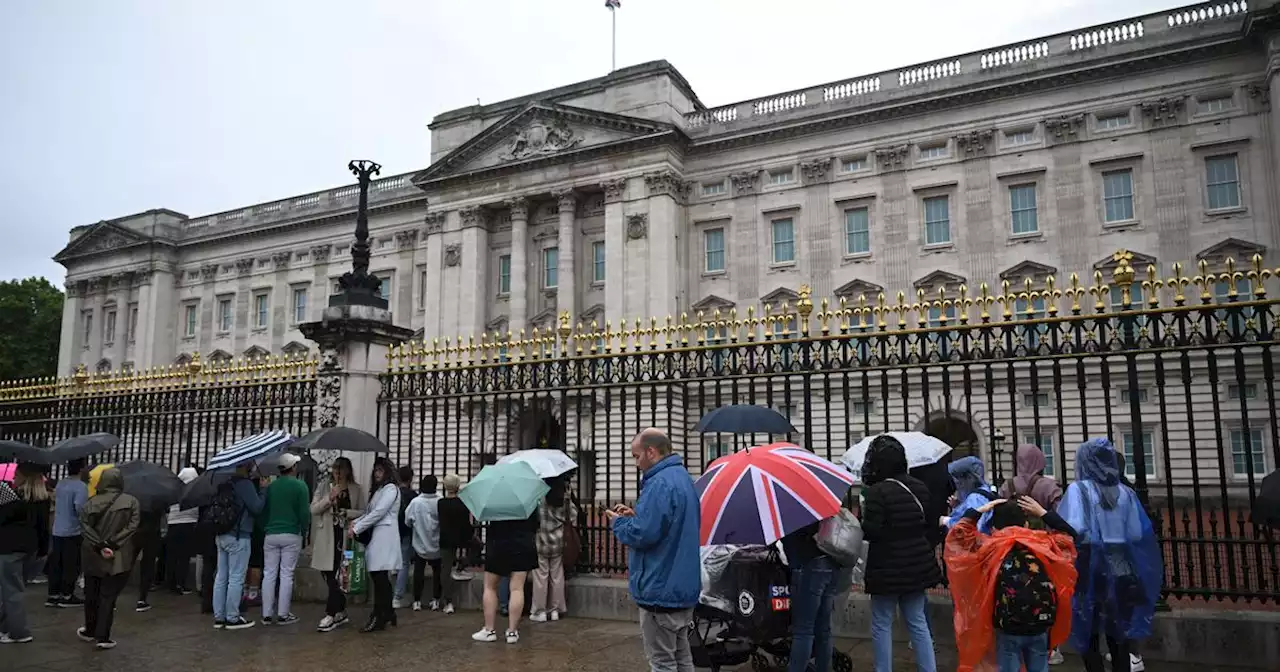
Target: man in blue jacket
{"x":662,"y":533}
{"x":233,"y":555}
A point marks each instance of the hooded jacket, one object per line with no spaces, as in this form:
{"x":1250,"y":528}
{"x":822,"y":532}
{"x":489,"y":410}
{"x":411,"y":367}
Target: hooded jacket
{"x":663,"y":538}
{"x":423,"y":517}
{"x":109,"y":519}
{"x":185,"y":516}
{"x":972,"y":491}
{"x":900,"y":556}
{"x":1030,"y":480}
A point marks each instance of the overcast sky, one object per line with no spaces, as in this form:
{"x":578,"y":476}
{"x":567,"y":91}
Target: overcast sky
{"x":109,"y":107}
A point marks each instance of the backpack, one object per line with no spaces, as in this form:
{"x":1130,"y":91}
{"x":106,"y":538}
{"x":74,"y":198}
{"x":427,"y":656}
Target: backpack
{"x":222,"y":516}
{"x":1025,"y":600}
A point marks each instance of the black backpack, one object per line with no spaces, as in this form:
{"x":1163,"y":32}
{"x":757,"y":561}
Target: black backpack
{"x":1026,"y":602}
{"x":222,"y":516}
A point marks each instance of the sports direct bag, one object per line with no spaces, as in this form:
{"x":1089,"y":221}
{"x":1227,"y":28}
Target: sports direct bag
{"x":840,"y":537}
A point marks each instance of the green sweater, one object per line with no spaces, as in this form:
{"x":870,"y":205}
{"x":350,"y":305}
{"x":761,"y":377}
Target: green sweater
{"x":288,"y":509}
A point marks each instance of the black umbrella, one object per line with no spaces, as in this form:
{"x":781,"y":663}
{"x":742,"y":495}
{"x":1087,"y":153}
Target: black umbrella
{"x":340,"y":438}
{"x":80,"y":447}
{"x":1266,"y":508}
{"x":745,"y":419}
{"x":156,"y":487}
{"x":18,"y":451}
{"x":200,"y":492}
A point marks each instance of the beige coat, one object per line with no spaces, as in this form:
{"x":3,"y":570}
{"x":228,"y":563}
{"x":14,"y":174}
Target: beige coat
{"x":322,"y":522}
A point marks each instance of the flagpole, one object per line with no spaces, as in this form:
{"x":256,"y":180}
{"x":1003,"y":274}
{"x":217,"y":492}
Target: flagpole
{"x":614,"y":64}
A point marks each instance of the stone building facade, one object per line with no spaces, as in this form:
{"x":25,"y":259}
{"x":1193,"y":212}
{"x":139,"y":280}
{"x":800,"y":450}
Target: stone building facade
{"x":626,"y":197}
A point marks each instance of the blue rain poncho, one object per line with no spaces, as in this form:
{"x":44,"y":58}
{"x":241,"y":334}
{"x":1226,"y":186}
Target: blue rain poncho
{"x":1118,"y":556}
{"x":972,"y":491}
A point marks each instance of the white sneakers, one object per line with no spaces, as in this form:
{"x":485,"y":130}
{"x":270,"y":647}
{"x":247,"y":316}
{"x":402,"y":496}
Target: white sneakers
{"x":1135,"y":662}
{"x":544,"y":616}
{"x":434,"y":605}
{"x":461,"y":575}
{"x":448,"y":608}
{"x":487,"y":635}
{"x":417,"y":606}
{"x":396,"y":604}
{"x":331,"y":623}
{"x":1055,"y":657}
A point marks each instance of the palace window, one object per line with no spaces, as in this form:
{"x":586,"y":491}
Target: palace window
{"x":1117,"y":195}
{"x":504,"y":274}
{"x":299,"y":305}
{"x":1222,"y":179}
{"x":597,"y":261}
{"x":937,"y":220}
{"x":1022,"y":206}
{"x":857,"y":231}
{"x":551,"y":267}
{"x":713,"y":242}
{"x":784,"y":241}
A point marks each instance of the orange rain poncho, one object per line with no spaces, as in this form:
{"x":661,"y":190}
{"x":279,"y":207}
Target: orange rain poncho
{"x":973,"y":563}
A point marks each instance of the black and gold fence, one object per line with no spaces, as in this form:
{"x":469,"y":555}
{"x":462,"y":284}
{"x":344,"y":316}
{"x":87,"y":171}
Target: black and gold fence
{"x":174,"y":415}
{"x":1177,"y":370}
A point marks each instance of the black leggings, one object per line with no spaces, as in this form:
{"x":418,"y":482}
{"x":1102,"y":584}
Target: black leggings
{"x":1119,"y":648}
{"x":382,"y":609}
{"x":336,"y":602}
{"x":437,"y":584}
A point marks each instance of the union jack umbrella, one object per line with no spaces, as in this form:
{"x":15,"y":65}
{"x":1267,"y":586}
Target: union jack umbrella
{"x":762,"y":494}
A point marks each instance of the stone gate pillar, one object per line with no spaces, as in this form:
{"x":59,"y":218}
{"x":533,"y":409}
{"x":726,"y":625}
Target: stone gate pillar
{"x":353,"y":341}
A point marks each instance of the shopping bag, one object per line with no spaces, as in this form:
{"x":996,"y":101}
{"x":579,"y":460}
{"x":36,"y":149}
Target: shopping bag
{"x":763,"y":592}
{"x":353,"y":578}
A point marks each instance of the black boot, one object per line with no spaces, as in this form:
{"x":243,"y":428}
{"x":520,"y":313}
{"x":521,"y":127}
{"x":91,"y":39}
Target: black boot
{"x":392,"y":620}
{"x":375,"y":624}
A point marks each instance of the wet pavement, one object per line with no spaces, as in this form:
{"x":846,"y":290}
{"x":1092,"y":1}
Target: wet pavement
{"x":175,"y":636}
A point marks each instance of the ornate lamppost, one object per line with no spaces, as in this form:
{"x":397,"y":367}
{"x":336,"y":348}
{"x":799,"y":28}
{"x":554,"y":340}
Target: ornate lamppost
{"x":358,"y":288}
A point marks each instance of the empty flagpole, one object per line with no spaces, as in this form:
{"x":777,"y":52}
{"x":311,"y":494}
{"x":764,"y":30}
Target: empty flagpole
{"x":613,"y":6}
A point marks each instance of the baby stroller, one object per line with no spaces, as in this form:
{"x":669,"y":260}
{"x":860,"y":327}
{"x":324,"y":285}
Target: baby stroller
{"x":744,"y":613}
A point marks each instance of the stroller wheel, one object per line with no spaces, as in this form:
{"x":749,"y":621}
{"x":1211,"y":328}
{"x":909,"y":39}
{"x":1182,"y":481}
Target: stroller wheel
{"x":841,"y":662}
{"x":760,"y":663}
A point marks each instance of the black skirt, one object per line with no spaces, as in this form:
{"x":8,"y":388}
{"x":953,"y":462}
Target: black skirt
{"x":510,"y":546}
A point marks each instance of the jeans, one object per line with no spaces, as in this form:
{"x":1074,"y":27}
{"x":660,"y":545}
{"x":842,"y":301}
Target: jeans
{"x":33,"y":567}
{"x":100,"y":593}
{"x":407,"y":555}
{"x":13,"y":613}
{"x":1014,"y":651}
{"x":666,"y":640}
{"x":179,"y":547}
{"x":228,"y":585}
{"x":913,"y":607}
{"x":504,"y":592}
{"x":419,"y":578}
{"x":813,"y":592}
{"x":64,"y":565}
{"x":280,"y":553}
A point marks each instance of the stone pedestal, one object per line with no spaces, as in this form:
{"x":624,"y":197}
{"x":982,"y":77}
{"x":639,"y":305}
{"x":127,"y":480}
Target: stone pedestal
{"x":353,"y":342}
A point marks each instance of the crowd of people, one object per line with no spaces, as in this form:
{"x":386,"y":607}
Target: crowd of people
{"x":1031,"y":566}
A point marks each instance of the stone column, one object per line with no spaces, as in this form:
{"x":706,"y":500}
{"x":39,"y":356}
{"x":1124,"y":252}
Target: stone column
{"x":281,"y":300}
{"x":474,"y":262}
{"x":663,"y":269}
{"x":615,"y":241}
{"x":121,"y":291}
{"x":159,"y":319}
{"x":206,"y":326}
{"x":69,"y":340}
{"x":98,"y":288}
{"x":434,"y":234}
{"x":519,"y":264}
{"x":242,"y":324}
{"x":319,"y":293}
{"x":567,"y":294}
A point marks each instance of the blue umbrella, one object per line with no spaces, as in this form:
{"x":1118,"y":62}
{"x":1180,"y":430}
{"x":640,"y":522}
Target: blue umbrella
{"x":745,"y":419}
{"x":252,"y":448}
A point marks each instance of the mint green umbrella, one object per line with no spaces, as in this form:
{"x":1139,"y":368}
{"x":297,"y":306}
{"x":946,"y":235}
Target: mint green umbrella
{"x":509,"y":491}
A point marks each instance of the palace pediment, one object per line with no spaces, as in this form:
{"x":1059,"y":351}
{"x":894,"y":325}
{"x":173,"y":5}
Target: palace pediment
{"x":542,"y":131}
{"x":102,"y":237}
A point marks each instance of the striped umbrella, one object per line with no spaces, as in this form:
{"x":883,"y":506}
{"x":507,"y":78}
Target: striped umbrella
{"x":249,"y":449}
{"x":762,"y":494}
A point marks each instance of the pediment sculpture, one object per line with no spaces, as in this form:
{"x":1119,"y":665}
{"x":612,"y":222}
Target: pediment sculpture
{"x":541,"y":138}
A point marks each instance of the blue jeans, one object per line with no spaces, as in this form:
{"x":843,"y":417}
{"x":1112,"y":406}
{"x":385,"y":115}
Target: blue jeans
{"x":1014,"y":651}
{"x":228,"y":584}
{"x":913,"y":607}
{"x":813,"y":591}
{"x":504,"y":592}
{"x":407,"y":555}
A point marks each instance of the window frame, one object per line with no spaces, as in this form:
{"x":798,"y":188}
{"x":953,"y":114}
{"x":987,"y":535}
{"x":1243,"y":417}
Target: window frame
{"x":261,"y":309}
{"x":855,"y":164}
{"x":707,"y":251}
{"x":227,"y":319}
{"x":1102,"y":122}
{"x":86,"y":326}
{"x":306,"y":298}
{"x":866,"y":231}
{"x":1209,"y":185}
{"x":190,"y":319}
{"x":1125,"y":435}
{"x":924,"y":219}
{"x":1205,"y":105}
{"x":109,"y":326}
{"x":599,"y":262}
{"x":713,"y":189}
{"x":774,"y":242}
{"x":1259,"y":455}
{"x":1014,"y":210}
{"x":1132,"y":196}
{"x":131,"y":334}
{"x":1020,"y":137}
{"x":504,"y":275}
{"x":933,"y":151}
{"x":781,"y":177}
{"x":386,"y":281}
{"x":550,"y":267}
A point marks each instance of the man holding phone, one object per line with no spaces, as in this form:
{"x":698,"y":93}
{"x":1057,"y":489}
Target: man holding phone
{"x":662,"y":533}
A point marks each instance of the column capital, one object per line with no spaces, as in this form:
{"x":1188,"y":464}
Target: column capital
{"x":472,"y":216}
{"x":435,"y":221}
{"x":614,"y":189}
{"x":566,"y":198}
{"x":519,"y":207}
{"x":281,"y":260}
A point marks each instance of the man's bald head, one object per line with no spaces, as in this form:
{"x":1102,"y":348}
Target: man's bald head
{"x":649,"y":447}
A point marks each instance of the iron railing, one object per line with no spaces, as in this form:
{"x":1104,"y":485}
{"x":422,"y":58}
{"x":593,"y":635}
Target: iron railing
{"x":174,"y":416}
{"x":1179,"y":367}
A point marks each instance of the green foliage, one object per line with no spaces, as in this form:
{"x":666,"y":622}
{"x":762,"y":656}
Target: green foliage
{"x":30,"y":328}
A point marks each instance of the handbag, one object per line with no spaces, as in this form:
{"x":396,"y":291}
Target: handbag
{"x":572,"y":542}
{"x":840,"y":537}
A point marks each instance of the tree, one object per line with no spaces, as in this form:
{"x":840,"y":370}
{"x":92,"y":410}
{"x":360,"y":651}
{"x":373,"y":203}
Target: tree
{"x":30,"y":328}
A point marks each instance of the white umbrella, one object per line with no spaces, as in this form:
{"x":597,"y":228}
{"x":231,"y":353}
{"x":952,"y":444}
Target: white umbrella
{"x":922,"y":450}
{"x":249,"y":449}
{"x":546,"y":462}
